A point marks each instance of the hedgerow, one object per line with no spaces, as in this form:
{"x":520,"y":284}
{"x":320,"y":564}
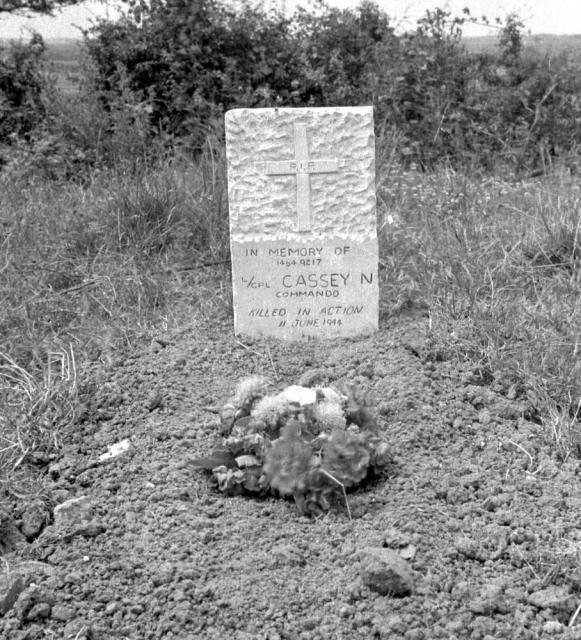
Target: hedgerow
{"x":169,"y":69}
{"x":192,"y":61}
{"x":21,"y":86}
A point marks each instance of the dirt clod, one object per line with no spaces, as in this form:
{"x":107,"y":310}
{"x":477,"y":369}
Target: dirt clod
{"x":33,"y":520}
{"x":553,"y":597}
{"x":386,"y":572}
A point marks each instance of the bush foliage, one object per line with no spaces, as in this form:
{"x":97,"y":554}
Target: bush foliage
{"x":21,"y":86}
{"x":191,"y":61}
{"x":168,"y":70}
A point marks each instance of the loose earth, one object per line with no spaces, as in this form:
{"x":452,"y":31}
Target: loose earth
{"x":474,"y":533}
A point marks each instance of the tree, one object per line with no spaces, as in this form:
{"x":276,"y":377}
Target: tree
{"x":511,"y":42}
{"x":35,"y":6}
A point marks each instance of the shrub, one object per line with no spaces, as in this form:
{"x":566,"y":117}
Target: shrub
{"x":21,"y":86}
{"x":163,"y":75}
{"x":193,"y":61}
{"x":189,"y":62}
{"x":420,"y":83}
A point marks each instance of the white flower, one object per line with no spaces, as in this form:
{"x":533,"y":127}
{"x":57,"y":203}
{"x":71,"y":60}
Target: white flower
{"x":270,"y":409}
{"x":299,"y":395}
{"x":249,"y":390}
{"x":330,"y":416}
{"x":331,"y":395}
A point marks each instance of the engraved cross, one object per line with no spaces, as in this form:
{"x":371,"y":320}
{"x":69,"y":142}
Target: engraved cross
{"x":302,"y":166}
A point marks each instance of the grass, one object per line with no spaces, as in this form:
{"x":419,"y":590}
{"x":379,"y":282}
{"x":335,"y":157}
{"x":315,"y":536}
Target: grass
{"x":90,"y":269}
{"x":36,"y":410}
{"x":497,"y":262}
{"x":87,"y":271}
{"x":92,"y":264}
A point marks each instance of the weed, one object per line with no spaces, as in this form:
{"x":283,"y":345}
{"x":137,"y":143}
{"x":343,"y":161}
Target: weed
{"x":37,"y":409}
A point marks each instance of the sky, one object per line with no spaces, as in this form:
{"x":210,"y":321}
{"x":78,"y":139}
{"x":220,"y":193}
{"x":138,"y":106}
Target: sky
{"x":540,"y":16}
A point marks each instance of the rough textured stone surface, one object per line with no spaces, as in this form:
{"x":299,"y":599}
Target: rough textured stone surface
{"x":34,"y":519}
{"x":558,"y":598}
{"x":263,"y":198}
{"x":386,"y":572}
{"x":11,"y":586}
{"x":38,"y":611}
{"x":73,"y":511}
{"x":301,"y":190}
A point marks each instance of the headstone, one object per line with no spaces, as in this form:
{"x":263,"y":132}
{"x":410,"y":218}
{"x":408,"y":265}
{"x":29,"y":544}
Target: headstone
{"x":303,"y":237}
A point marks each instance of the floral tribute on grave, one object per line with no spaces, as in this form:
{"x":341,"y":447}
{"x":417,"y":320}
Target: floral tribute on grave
{"x":309,"y":443}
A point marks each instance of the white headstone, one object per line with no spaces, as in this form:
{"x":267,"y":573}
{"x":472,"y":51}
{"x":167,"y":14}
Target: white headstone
{"x":303,"y":238}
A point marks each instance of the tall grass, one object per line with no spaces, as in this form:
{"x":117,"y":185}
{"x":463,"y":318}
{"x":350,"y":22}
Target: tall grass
{"x":35,"y":411}
{"x":76,"y":257}
{"x":497,"y":265}
{"x":87,"y":270}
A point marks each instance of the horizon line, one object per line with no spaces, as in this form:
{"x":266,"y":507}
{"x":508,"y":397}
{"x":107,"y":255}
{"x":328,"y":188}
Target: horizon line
{"x":79,"y":38}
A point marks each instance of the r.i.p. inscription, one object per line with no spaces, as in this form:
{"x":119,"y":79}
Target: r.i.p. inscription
{"x":301,"y":187}
{"x":302,"y":167}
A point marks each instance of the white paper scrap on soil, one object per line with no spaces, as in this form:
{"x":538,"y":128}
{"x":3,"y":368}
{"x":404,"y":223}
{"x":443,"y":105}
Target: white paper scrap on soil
{"x":115,"y":450}
{"x":303,"y":237}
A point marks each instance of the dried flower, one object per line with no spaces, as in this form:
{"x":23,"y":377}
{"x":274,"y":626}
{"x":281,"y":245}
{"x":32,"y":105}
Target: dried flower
{"x":330,"y":395}
{"x":239,"y":406}
{"x":271,"y":411}
{"x":329,"y":416}
{"x":313,"y":503}
{"x":249,"y":390}
{"x":249,"y":443}
{"x":357,"y":407}
{"x":380,"y":454}
{"x":236,"y":481}
{"x":299,"y":395}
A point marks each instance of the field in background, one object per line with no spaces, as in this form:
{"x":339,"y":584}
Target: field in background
{"x":62,"y":62}
{"x":63,"y":58}
{"x":546,"y":42}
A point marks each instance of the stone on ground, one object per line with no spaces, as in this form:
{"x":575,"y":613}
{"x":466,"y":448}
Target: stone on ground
{"x":386,"y":572}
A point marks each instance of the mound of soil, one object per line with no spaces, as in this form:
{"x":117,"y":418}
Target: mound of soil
{"x":473,"y":533}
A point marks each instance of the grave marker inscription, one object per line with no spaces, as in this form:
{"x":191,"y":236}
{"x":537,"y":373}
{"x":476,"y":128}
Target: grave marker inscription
{"x":303,"y":239}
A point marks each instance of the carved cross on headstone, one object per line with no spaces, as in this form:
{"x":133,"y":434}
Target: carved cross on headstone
{"x":302,"y":166}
